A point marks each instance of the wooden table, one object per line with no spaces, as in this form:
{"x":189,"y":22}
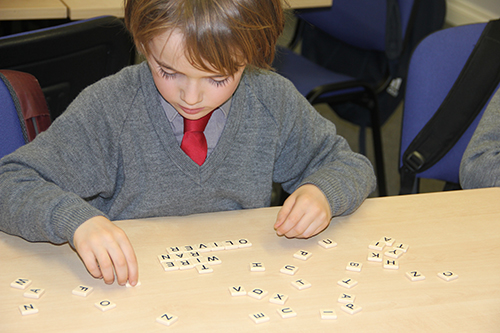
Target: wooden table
{"x":447,"y":231}
{"x":32,"y":9}
{"x":83,"y":9}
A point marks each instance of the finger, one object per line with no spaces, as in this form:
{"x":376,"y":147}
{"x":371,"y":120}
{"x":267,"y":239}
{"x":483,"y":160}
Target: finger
{"x":133,"y":270}
{"x":91,"y":264}
{"x":292,"y":222}
{"x":284,"y":212}
{"x":119,"y":264}
{"x":106,"y":266}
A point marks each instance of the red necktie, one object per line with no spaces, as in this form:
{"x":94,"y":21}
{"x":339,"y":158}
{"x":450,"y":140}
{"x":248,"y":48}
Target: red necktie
{"x":194,"y":143}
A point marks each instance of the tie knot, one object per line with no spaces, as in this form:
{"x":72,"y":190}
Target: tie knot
{"x":197,"y":125}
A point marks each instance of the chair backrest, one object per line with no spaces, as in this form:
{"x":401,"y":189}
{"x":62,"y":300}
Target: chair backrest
{"x":362,"y":23}
{"x":434,"y":67}
{"x":23,"y":110}
{"x":67,"y":58}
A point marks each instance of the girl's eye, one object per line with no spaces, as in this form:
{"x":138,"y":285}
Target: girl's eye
{"x":166,"y":75}
{"x":219,"y":83}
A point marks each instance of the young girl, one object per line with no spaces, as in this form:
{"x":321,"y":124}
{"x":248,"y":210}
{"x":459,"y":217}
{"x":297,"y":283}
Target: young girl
{"x":119,"y":151}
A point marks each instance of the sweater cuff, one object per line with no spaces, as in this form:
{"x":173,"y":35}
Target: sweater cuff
{"x":334,"y":193}
{"x":70,"y":215}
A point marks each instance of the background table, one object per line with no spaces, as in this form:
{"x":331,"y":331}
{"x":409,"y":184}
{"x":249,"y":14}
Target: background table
{"x":32,"y":9}
{"x":83,"y":9}
{"x":457,"y":231}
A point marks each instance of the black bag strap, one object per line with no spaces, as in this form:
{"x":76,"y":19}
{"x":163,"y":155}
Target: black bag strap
{"x":480,"y":75}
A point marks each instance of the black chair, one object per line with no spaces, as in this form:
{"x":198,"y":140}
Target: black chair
{"x":376,"y":29}
{"x":67,"y":58}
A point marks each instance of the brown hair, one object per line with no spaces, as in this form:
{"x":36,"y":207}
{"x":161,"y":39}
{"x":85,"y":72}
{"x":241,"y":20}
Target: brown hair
{"x":221,"y":34}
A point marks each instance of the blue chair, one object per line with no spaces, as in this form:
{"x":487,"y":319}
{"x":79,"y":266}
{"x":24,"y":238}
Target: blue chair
{"x":23,"y":110}
{"x":370,"y":25}
{"x":67,"y":58}
{"x":434,"y":67}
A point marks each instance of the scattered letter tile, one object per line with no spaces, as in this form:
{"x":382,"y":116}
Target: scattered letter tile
{"x":402,"y":247}
{"x":347,"y":283}
{"x":302,"y":255}
{"x":173,"y":250}
{"x":217,"y":246}
{"x":105,"y":305}
{"x":286,"y":313}
{"x":21,"y":283}
{"x":202,"y":248}
{"x":34,"y":293}
{"x":28,"y":309}
{"x":257,"y":267}
{"x":346,"y":298}
{"x":167,"y":319}
{"x":448,"y":276}
{"x":213,"y":260}
{"x":328,"y":314}
{"x":259,"y":317}
{"x":230,"y":245}
{"x":391,"y":264}
{"x":351,"y":308}
{"x":82,"y":291}
{"x":389,"y":241}
{"x":374,"y":256}
{"x":415,"y":276}
{"x":354,"y":266}
{"x":376,"y":245}
{"x":237,"y":291}
{"x":278,"y":299}
{"x":185,"y":264}
{"x":393,"y":253}
{"x":258,"y":293}
{"x":301,"y":284}
{"x":327,"y":243}
{"x":289,"y":269}
{"x":165,"y":257}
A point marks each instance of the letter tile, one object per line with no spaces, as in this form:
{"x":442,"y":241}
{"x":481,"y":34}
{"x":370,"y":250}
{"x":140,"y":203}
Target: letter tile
{"x":258,"y":293}
{"x":204,"y":269}
{"x":237,"y":291}
{"x":327,"y":243}
{"x":188,"y":248}
{"x":243,"y":242}
{"x":167,"y":319}
{"x":415,"y":276}
{"x":391,"y":264}
{"x":346,"y":298}
{"x":374,"y":256}
{"x":213,"y":260}
{"x":328,"y":314}
{"x":351,"y":308}
{"x":289,"y":269}
{"x":259,"y":317}
{"x":257,"y":267}
{"x":105,"y":305}
{"x":185,"y":264}
{"x":376,"y":245}
{"x":217,"y":246}
{"x":165,"y":257}
{"x":347,"y":282}
{"x":301,"y":284}
{"x":173,"y":250}
{"x":354,"y":266}
{"x":20,"y":283}
{"x":393,"y":253}
{"x":28,"y":309}
{"x":389,"y":241}
{"x":202,"y":248}
{"x":278,"y":298}
{"x":286,"y":313}
{"x":402,"y":247}
{"x":448,"y":276}
{"x":230,"y":245}
{"x":302,"y":255}
{"x":34,"y":293}
{"x":170,"y":266}
{"x":83,"y":291}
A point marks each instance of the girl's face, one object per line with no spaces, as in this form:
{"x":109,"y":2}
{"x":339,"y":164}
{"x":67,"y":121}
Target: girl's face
{"x":192,"y":92}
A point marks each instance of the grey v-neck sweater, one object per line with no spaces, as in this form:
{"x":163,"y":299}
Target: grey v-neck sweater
{"x":113,"y":153}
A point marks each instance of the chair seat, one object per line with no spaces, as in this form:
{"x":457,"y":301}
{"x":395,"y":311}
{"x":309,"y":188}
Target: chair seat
{"x":306,"y":75}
